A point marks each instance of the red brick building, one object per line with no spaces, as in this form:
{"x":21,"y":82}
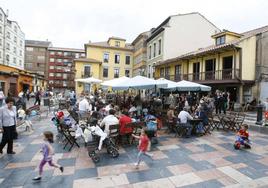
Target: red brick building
{"x":61,"y":69}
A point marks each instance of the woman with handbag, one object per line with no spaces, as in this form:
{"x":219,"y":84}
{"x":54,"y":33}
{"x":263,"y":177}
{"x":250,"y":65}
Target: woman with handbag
{"x":8,"y":119}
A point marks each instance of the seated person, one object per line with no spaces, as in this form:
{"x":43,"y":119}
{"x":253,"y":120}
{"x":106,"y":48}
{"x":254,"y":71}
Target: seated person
{"x":123,"y":121}
{"x":243,"y":132}
{"x":109,"y":120}
{"x":94,"y":118}
{"x":151,"y":124}
{"x":184,"y":116}
{"x":84,"y":107}
{"x":200,"y":114}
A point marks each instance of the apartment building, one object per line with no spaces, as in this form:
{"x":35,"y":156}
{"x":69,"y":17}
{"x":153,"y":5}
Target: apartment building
{"x":36,"y":56}
{"x":105,"y":60}
{"x":61,"y":68}
{"x":11,"y":42}
{"x":140,"y":54}
{"x":177,"y":35}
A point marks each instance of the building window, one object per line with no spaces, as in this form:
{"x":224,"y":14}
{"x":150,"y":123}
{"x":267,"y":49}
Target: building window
{"x":20,"y":62}
{"x":20,"y":53}
{"x":105,"y":57}
{"x":15,"y":39}
{"x":220,"y":40}
{"x":7,"y":58}
{"x":162,"y":72}
{"x":58,"y":75}
{"x":0,"y":54}
{"x":127,"y":59}
{"x":15,"y":29}
{"x":64,"y":76}
{"x":66,"y":53}
{"x":59,"y":53}
{"x":77,"y":55}
{"x":117,"y":43}
{"x":40,"y":58}
{"x":117,"y":58}
{"x":51,"y":60}
{"x":8,"y":35}
{"x":15,"y":50}
{"x":28,"y":65}
{"x":20,"y":43}
{"x":154,"y":49}
{"x":0,"y":42}
{"x":116,"y":73}
{"x":1,"y":17}
{"x":177,"y":72}
{"x":51,"y":67}
{"x":29,"y":57}
{"x":59,"y":60}
{"x":159,"y":46}
{"x":52,"y":53}
{"x":127,"y":72}
{"x":87,"y":71}
{"x":105,"y":72}
{"x":51,"y":74}
{"x":150,"y":52}
{"x":29,"y":49}
{"x":8,"y":46}
{"x":14,"y":60}
{"x":0,"y":29}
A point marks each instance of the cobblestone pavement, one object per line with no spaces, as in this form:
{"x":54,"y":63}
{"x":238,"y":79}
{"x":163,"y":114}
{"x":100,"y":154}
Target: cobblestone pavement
{"x":208,"y":161}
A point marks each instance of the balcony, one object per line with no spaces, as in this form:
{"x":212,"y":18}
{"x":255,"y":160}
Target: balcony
{"x":86,"y":74}
{"x":219,"y":76}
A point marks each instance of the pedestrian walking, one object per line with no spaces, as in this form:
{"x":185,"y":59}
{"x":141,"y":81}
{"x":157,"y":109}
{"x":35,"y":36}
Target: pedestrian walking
{"x":8,"y":119}
{"x":48,"y":152}
{"x":144,"y":144}
{"x":37,"y":98}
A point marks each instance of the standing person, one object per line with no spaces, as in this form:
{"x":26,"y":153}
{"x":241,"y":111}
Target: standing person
{"x":8,"y":119}
{"x":2,"y":97}
{"x":225,"y":101}
{"x":37,"y":98}
{"x":143,"y":147}
{"x":28,"y":94}
{"x":48,"y":152}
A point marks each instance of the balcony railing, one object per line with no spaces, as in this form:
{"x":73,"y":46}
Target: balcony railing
{"x":225,"y":74}
{"x":86,"y":74}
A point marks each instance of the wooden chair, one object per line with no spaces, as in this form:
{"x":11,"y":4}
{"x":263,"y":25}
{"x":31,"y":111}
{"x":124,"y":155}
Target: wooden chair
{"x":114,"y":133}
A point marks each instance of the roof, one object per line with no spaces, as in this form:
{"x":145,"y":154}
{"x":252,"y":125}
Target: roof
{"x":161,"y":28}
{"x":213,"y":48}
{"x":38,"y":43}
{"x":116,"y":38}
{"x":106,"y":45}
{"x":66,"y":49}
{"x":89,"y":60}
{"x":143,"y":34}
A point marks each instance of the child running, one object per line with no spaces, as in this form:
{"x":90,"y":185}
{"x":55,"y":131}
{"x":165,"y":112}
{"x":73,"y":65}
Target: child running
{"x":47,"y":151}
{"x":143,"y":147}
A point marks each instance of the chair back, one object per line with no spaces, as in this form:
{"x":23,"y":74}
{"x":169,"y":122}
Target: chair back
{"x":114,"y":130}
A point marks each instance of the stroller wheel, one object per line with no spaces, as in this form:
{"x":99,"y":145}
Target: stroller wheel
{"x":236,"y":146}
{"x":247,"y":146}
{"x":113,"y":152}
{"x":96,"y":159}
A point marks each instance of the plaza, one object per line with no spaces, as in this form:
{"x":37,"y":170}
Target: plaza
{"x":208,"y":161}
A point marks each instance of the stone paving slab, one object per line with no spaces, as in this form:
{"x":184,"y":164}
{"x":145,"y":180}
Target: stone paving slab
{"x":209,"y":161}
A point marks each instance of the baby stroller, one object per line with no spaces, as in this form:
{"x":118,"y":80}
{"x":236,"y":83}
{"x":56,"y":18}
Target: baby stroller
{"x":94,"y":138}
{"x":242,"y":141}
{"x":151,"y":130}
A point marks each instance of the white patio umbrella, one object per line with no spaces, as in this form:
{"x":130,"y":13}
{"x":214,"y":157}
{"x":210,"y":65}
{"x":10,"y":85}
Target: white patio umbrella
{"x":138,"y":82}
{"x":191,"y":86}
{"x":90,"y":80}
{"x":170,"y":84}
{"x":114,"y":82}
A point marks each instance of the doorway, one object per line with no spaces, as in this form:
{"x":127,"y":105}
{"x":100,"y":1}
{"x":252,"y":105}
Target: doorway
{"x":227,"y":67}
{"x":196,"y":71}
{"x":210,"y":69}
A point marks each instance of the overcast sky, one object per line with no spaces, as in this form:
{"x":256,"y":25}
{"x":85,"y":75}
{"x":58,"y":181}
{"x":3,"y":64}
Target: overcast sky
{"x":71,"y":23}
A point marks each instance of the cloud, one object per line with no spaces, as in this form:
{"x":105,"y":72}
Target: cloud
{"x":69,"y":23}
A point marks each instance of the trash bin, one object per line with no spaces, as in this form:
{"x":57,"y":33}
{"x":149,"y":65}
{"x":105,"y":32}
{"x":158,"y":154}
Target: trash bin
{"x":46,"y":101}
{"x":259,"y":114}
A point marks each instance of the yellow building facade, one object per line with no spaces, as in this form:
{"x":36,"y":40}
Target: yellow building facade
{"x":105,"y":61}
{"x":229,"y":65}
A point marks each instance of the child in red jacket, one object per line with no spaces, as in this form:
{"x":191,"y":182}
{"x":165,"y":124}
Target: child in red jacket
{"x":144,"y":143}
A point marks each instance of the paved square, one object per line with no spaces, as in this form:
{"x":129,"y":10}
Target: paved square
{"x":208,"y":161}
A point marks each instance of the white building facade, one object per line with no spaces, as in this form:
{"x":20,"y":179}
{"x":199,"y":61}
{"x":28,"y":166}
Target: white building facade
{"x":11,"y":42}
{"x":178,"y":35}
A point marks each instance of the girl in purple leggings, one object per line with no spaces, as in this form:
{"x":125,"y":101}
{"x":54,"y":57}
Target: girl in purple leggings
{"x":47,"y":151}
